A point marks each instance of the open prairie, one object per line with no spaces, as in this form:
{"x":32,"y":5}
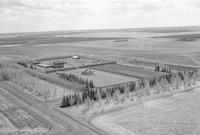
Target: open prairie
{"x":174,"y":115}
{"x":141,"y":44}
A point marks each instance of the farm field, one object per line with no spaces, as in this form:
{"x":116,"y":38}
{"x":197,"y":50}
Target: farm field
{"x":101,"y":78}
{"x":183,"y":37}
{"x":128,"y":71}
{"x":29,"y":40}
{"x":14,"y":120}
{"x":175,"y":115}
{"x":141,"y":45}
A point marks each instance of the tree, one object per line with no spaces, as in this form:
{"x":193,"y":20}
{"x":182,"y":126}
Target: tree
{"x":91,"y":84}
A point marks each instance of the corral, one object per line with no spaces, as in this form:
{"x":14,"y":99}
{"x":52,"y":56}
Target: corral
{"x":101,"y":78}
{"x":128,"y":71}
{"x":176,"y":115}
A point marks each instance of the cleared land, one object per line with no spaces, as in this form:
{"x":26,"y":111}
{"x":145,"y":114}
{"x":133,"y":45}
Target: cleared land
{"x":101,"y":78}
{"x":176,"y":115}
{"x":127,"y":71}
{"x":14,"y":120}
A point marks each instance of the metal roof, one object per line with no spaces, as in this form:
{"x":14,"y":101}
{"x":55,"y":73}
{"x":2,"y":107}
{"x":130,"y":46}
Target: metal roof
{"x":44,"y":65}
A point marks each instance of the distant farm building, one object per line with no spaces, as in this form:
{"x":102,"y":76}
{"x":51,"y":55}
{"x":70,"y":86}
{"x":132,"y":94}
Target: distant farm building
{"x":75,"y":57}
{"x":43,"y":67}
{"x":58,"y":64}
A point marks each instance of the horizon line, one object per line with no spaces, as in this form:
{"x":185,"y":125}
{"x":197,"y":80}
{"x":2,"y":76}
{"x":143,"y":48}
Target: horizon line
{"x":100,"y":29}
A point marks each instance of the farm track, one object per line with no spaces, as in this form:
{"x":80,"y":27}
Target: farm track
{"x":71,"y":126}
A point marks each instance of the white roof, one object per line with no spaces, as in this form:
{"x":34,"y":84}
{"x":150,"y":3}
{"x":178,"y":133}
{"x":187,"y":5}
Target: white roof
{"x":75,"y":56}
{"x":44,"y":65}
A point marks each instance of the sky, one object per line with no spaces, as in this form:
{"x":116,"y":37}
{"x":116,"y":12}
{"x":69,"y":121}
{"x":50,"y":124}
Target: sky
{"x":47,"y":15}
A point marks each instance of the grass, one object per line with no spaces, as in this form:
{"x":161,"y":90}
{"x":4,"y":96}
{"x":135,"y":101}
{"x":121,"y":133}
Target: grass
{"x":127,"y":71}
{"x":101,"y":78}
{"x":171,"y":115}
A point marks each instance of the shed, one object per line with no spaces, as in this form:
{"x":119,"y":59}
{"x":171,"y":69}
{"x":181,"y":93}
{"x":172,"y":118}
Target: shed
{"x":75,"y":57}
{"x":58,"y":64}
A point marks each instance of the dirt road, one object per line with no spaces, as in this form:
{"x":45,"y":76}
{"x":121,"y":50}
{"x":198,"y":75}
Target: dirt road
{"x":61,"y":124}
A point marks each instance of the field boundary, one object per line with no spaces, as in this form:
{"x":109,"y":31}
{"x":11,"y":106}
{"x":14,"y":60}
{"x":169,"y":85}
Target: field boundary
{"x":151,"y":62}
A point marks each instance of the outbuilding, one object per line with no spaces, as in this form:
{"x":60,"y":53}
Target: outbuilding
{"x":58,"y":64}
{"x":75,"y":57}
{"x":42,"y":67}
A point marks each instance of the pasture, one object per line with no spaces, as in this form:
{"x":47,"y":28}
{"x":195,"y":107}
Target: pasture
{"x":101,"y":78}
{"x":175,"y":115}
{"x":128,"y":71}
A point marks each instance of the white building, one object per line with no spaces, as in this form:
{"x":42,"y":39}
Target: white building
{"x":75,"y":57}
